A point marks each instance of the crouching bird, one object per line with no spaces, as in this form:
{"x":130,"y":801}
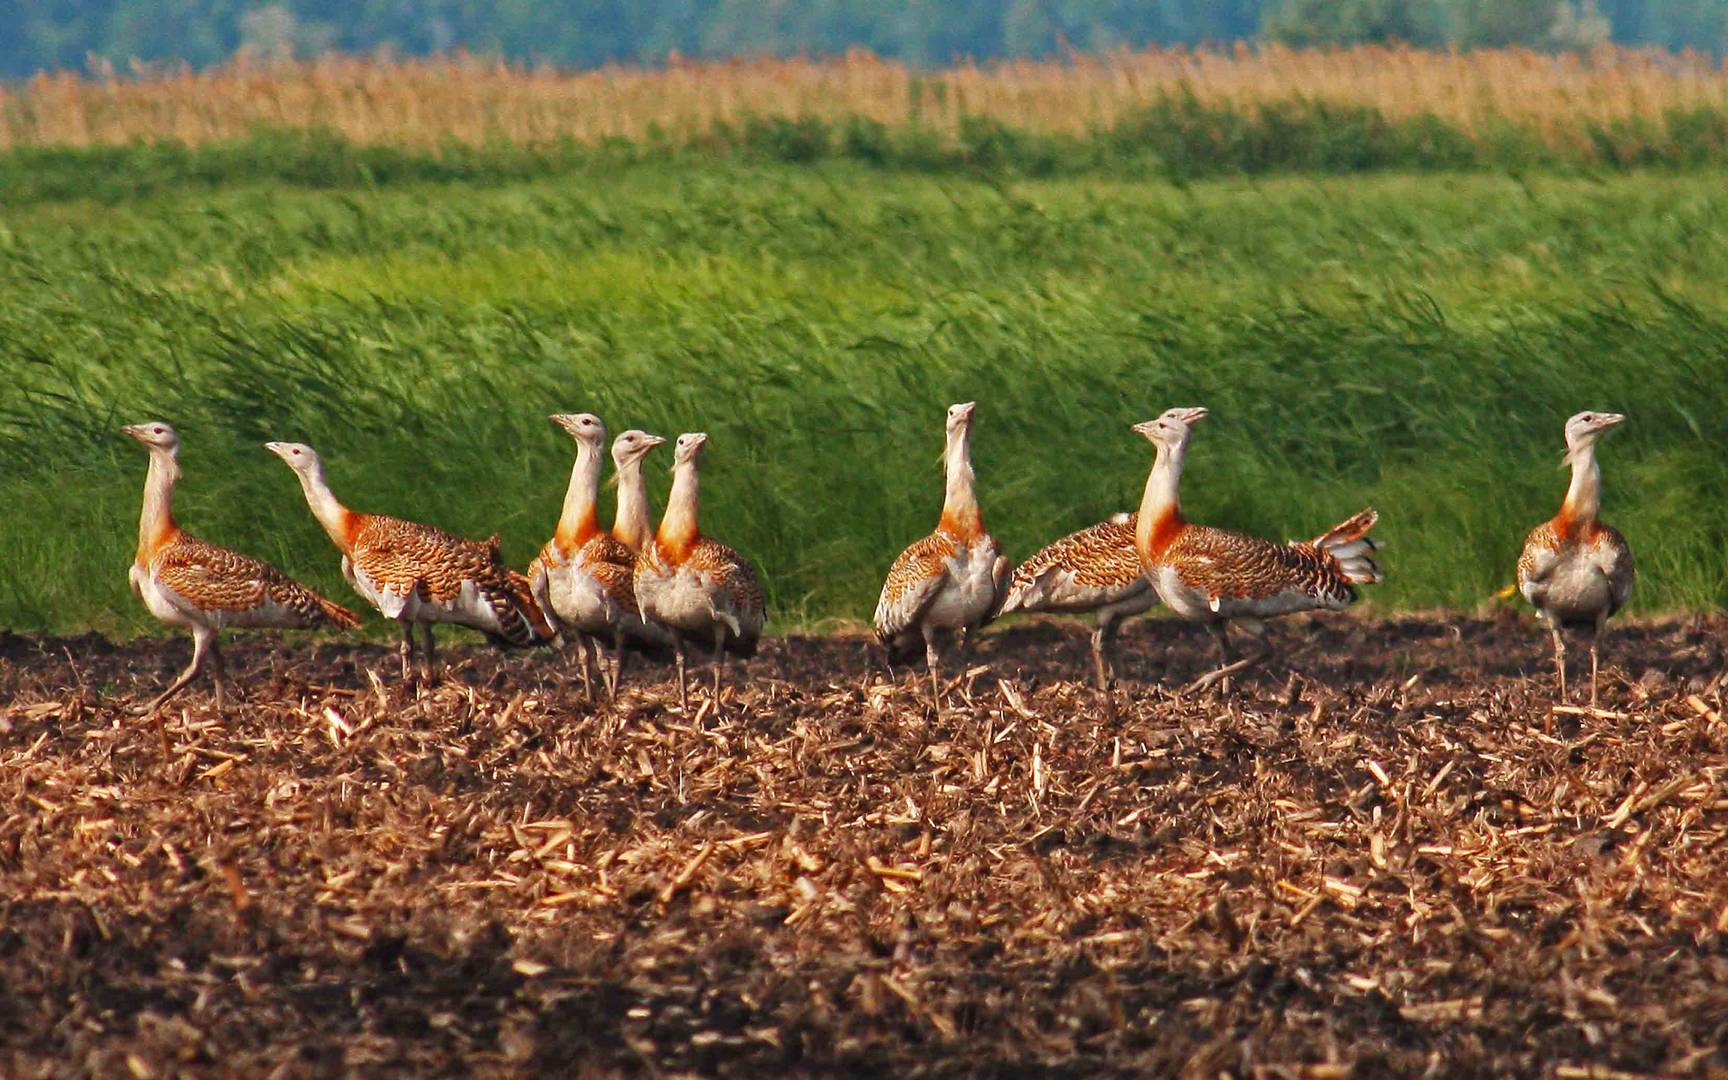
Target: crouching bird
{"x":1096,"y":569}
{"x":187,"y":582}
{"x":693,"y":585}
{"x":1216,"y":577}
{"x":418,"y":575}
{"x":1576,"y":571}
{"x":951,"y":580}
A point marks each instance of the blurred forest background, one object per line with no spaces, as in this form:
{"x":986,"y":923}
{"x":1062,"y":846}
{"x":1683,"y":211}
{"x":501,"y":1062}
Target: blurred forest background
{"x":46,"y":35}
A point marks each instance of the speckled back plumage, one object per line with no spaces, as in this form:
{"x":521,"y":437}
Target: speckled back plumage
{"x":911,"y":584}
{"x":231,"y":589}
{"x":730,"y":580}
{"x":1231,"y":566}
{"x":1095,"y":566}
{"x":404,"y":556}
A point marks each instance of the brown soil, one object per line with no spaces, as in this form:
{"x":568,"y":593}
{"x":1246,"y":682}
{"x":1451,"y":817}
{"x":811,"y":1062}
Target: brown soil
{"x":1401,"y":862}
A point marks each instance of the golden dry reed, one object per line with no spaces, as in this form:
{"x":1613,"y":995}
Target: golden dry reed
{"x":425,"y":102}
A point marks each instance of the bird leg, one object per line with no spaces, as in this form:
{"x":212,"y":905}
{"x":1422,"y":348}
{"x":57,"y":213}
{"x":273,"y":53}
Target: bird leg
{"x":1101,"y":639}
{"x":218,"y":668}
{"x":585,"y":650}
{"x":1560,"y":660}
{"x":616,"y":675}
{"x":678,"y":651}
{"x":430,"y":660}
{"x":406,"y":650}
{"x":201,"y":639}
{"x":1231,"y":667}
{"x":719,"y":662}
{"x":932,"y":658}
{"x":1592,"y":672}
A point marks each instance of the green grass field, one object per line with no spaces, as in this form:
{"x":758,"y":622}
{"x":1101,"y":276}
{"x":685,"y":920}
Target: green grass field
{"x":1413,"y":342}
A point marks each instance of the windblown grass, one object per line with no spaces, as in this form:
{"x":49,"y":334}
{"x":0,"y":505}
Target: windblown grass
{"x":1415,"y":343}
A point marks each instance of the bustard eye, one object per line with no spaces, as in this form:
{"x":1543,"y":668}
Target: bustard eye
{"x":158,"y":431}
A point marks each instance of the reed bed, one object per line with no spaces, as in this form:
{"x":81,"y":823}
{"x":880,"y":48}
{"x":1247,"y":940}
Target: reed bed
{"x":456,"y":99}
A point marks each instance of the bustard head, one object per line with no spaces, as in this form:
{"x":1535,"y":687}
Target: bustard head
{"x":960,"y":417}
{"x":1171,"y":429}
{"x":1583,"y":430}
{"x":300,"y":457}
{"x":689,"y":447}
{"x":585,"y":428}
{"x":632,"y":446}
{"x":156,"y":435}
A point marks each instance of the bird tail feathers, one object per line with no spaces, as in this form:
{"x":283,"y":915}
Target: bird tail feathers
{"x":1352,"y":548}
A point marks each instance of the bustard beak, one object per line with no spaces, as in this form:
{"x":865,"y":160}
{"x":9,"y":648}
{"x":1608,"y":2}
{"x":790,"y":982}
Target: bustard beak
{"x":655,"y":440}
{"x":134,"y":430}
{"x":1193,"y":414}
{"x":1611,"y":420}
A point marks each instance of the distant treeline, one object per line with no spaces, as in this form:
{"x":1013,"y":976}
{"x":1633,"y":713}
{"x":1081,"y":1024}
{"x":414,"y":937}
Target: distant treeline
{"x":1177,"y":139}
{"x":39,"y":35}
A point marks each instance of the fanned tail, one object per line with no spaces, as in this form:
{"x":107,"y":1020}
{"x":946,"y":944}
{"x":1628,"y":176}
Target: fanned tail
{"x":1350,"y":546}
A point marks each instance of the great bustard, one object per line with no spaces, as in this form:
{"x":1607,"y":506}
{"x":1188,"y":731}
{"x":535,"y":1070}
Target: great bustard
{"x":1094,"y":570}
{"x":951,"y":580}
{"x":189,"y":583}
{"x":583,"y":579}
{"x":1576,"y":571}
{"x":694,"y":586}
{"x":416,"y":574}
{"x":1216,"y":577}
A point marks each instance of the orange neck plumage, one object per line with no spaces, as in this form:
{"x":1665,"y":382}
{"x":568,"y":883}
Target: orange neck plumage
{"x":580,"y":520}
{"x":961,"y":518}
{"x":341,"y":524}
{"x":1577,"y":517}
{"x":678,"y":531}
{"x":1161,"y":521}
{"x":156,"y":526}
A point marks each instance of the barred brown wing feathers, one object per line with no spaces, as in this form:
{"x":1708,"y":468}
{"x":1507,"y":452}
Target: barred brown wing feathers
{"x":912,"y":583}
{"x":1537,"y":557}
{"x":1232,"y":566}
{"x":217,"y":580}
{"x":619,"y":583}
{"x":604,"y":547}
{"x":1098,"y":559}
{"x":733,"y":571}
{"x":402,"y":556}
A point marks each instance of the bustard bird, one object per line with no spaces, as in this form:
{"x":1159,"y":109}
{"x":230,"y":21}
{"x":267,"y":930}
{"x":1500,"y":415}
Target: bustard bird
{"x":204,"y":588}
{"x":694,"y":586}
{"x":1216,"y":577}
{"x":951,"y":580}
{"x":583,"y":578}
{"x":416,"y":574}
{"x":1576,"y":571}
{"x":1096,"y":569}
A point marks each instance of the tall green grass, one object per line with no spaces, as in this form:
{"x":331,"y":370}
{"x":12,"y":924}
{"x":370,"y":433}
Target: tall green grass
{"x":1410,"y":342}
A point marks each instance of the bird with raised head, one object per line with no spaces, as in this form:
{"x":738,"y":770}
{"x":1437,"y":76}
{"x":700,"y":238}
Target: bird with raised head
{"x":583,"y":579}
{"x":1096,"y":569}
{"x":1575,"y":570}
{"x":693,"y":585}
{"x":1218,"y":578}
{"x":204,"y":588}
{"x":419,"y":575}
{"x":952,"y":580}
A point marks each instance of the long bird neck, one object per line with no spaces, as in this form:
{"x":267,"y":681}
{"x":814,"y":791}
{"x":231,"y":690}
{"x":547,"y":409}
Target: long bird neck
{"x":338,"y":521}
{"x":678,"y":529}
{"x":961,"y":517}
{"x":1161,"y":504}
{"x":156,"y":521}
{"x":580,"y":519}
{"x":634,"y":522}
{"x":1584,"y":496}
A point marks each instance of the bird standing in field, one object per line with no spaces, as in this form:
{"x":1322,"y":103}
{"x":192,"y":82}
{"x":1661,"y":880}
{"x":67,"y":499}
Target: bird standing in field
{"x":204,"y":588}
{"x":1096,"y":569}
{"x":1574,"y":570}
{"x":952,"y":580}
{"x":583,"y":578}
{"x":694,"y":586}
{"x":1216,"y":577}
{"x":416,"y":574}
